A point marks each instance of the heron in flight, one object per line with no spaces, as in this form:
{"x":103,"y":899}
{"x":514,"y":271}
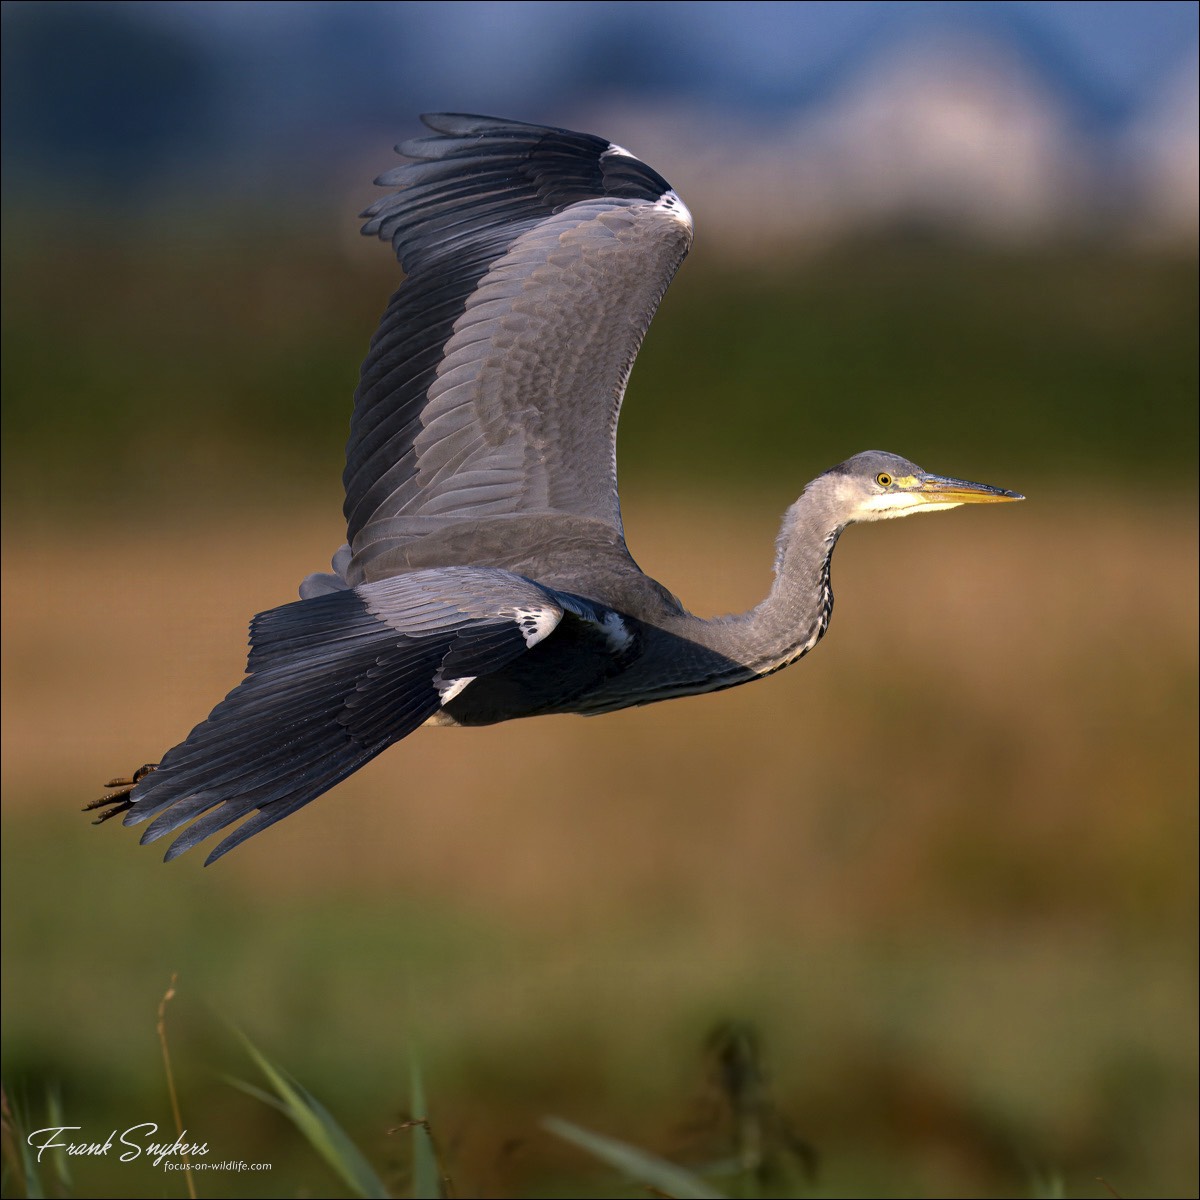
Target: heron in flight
{"x":485,"y":574}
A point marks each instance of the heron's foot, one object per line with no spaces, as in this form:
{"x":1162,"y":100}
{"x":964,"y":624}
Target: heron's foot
{"x":119,"y":801}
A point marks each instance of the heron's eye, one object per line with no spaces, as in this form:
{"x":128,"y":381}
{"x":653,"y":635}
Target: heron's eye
{"x":883,"y":479}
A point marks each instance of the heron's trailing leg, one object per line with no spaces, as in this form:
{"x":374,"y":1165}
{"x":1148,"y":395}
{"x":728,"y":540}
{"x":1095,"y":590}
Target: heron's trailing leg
{"x":119,"y":800}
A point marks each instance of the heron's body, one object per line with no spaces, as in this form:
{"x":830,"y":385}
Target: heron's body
{"x":637,"y":643}
{"x":485,"y":575}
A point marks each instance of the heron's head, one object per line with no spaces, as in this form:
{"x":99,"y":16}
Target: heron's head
{"x":875,"y":486}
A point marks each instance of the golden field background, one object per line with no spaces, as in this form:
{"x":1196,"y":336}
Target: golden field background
{"x":944,"y":867}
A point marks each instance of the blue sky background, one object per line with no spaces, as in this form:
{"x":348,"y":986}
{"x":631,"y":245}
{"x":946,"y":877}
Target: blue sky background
{"x":124,"y":99}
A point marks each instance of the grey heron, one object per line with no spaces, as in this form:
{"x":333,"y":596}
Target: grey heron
{"x":485,"y":574}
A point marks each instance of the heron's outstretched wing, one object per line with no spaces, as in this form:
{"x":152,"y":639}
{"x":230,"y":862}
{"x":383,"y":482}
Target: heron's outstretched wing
{"x":535,"y":259}
{"x":332,"y":681}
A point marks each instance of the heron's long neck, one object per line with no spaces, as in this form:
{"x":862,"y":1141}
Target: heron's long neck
{"x":696,"y":655}
{"x":795,"y":614}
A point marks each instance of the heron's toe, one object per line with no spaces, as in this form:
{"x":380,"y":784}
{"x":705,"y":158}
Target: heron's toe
{"x":119,"y":801}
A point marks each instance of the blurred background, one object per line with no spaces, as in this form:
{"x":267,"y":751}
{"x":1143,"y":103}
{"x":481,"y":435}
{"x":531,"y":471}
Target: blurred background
{"x":935,"y":885}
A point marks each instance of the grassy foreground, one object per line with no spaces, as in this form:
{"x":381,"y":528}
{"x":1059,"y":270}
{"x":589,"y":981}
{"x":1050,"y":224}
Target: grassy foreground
{"x":944,"y":868}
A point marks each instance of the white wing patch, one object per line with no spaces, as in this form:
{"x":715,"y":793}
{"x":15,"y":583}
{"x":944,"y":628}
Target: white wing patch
{"x":670,"y":203}
{"x":612,"y":625}
{"x":536,"y":623}
{"x":618,"y":636}
{"x":453,"y":687}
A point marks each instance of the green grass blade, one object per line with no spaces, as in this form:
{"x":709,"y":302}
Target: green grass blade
{"x":261,"y":1096}
{"x":29,"y":1173}
{"x":1046,"y":1185}
{"x":637,"y":1164}
{"x":321,"y":1131}
{"x":19,"y":1158}
{"x":427,"y":1179}
{"x":54,"y":1111}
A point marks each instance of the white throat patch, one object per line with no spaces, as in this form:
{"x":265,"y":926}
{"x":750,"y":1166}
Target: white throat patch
{"x":887,"y":505}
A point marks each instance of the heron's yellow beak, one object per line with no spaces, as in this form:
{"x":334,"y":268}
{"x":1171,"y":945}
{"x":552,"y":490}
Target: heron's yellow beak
{"x":941,"y":490}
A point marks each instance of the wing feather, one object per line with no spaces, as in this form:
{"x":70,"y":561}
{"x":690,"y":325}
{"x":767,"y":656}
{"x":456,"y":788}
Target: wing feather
{"x":535,"y":259}
{"x":331,"y":682}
